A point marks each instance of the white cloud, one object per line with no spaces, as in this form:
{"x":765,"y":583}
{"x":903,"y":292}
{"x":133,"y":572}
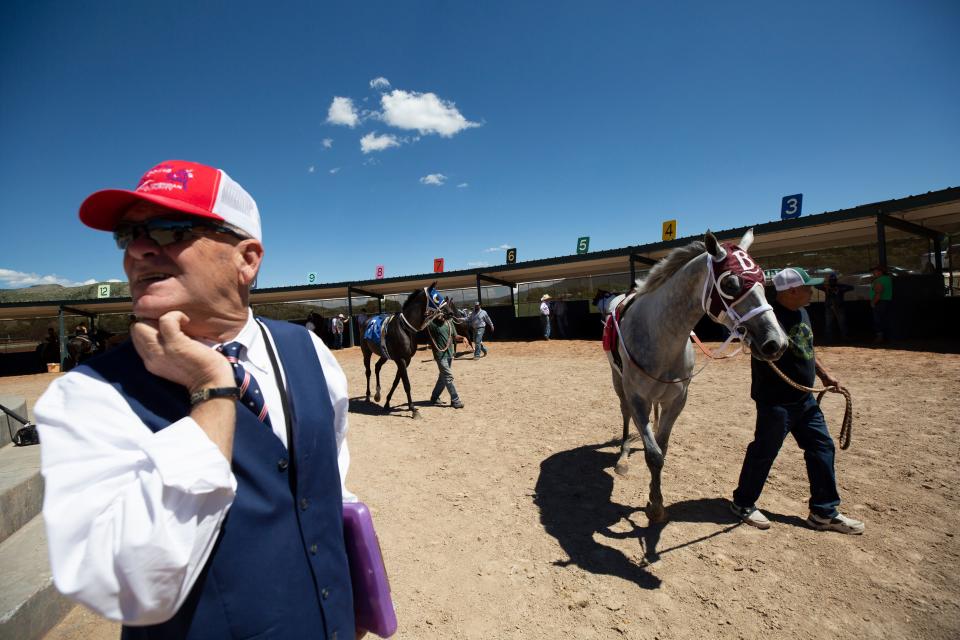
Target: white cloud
{"x":435,"y":179}
{"x":373,"y":142}
{"x":10,"y":279}
{"x":342,"y":112}
{"x":334,"y":171}
{"x":423,"y":112}
{"x":311,"y":169}
{"x":327,"y":143}
{"x":463,"y":185}
{"x":379,"y":83}
{"x":502,"y":247}
{"x":478,"y":264}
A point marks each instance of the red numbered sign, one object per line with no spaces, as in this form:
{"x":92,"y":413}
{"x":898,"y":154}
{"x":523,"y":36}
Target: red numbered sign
{"x":379,"y":271}
{"x":438,"y":265}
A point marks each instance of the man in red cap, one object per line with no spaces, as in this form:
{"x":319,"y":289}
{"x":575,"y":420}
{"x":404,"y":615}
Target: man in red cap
{"x":194,"y":474}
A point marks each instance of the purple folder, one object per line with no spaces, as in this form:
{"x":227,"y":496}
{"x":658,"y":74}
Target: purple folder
{"x":372,"y":606}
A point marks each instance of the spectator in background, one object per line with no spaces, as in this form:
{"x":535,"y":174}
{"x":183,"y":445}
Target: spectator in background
{"x":311,"y":326}
{"x":881,"y":300}
{"x":479,"y":320}
{"x":835,"y":320}
{"x":337,"y":327}
{"x":545,"y":315}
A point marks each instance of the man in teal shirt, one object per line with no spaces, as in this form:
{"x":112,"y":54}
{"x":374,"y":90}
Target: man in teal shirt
{"x":443,"y":335}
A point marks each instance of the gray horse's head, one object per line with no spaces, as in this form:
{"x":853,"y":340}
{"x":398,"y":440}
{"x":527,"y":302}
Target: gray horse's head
{"x":734,"y":297}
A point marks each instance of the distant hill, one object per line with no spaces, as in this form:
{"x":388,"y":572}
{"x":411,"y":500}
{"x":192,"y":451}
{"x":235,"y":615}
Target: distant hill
{"x":49,"y":292}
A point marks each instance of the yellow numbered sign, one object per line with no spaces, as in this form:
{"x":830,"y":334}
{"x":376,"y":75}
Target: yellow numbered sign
{"x":670,"y":230}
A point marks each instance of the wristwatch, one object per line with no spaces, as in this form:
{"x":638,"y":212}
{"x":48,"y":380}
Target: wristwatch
{"x":216,"y":392}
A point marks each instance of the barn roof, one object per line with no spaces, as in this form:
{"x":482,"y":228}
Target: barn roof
{"x":927,"y":214}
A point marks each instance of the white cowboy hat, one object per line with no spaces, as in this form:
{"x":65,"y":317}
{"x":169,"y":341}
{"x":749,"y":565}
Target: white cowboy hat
{"x":339,"y":315}
{"x":545,"y":296}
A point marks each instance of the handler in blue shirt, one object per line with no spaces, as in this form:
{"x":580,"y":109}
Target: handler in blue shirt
{"x":782,"y":409}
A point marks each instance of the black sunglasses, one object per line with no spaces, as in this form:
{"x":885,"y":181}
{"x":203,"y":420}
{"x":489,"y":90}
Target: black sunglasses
{"x":165,"y":232}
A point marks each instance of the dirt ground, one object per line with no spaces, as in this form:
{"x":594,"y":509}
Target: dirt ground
{"x":505,"y":519}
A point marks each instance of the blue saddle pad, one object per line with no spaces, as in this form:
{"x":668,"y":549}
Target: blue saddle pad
{"x":374,"y":328}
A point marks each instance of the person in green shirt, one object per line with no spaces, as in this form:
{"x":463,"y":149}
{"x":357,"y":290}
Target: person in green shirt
{"x":443,"y":335}
{"x":880,"y":301}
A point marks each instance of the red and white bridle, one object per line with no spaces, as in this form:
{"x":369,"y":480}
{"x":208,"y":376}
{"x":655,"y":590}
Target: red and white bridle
{"x":720,"y":305}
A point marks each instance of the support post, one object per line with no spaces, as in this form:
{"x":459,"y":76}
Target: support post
{"x":63,"y":339}
{"x":634,"y":258}
{"x":479,"y":298}
{"x":350,"y":313}
{"x":937,"y":259}
{"x":881,"y":243}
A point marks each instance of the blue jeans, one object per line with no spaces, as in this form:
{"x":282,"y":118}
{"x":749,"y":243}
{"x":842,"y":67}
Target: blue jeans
{"x":444,"y":379}
{"x":881,"y":319}
{"x":805,"y":421}
{"x":478,"y":342}
{"x":338,"y":341}
{"x":545,"y":322}
{"x":835,"y":327}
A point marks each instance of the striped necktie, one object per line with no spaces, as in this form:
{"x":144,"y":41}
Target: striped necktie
{"x":250,"y":394}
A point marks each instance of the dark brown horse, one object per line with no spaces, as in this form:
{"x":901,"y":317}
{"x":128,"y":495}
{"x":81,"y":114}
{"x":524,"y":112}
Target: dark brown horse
{"x":398,"y":341}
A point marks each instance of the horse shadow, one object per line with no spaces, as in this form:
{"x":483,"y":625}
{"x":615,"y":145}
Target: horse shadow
{"x":573,"y":493}
{"x":362,"y":406}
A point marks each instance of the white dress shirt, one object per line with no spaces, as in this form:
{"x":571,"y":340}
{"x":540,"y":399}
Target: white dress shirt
{"x":132,"y":515}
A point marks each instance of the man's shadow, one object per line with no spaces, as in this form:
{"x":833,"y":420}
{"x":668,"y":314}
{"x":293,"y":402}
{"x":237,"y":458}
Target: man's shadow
{"x":573,"y":493}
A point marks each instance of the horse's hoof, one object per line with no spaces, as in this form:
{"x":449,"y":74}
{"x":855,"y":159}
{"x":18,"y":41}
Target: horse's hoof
{"x":656,"y":514}
{"x":416,"y":414}
{"x":376,"y":398}
{"x":622,"y":469}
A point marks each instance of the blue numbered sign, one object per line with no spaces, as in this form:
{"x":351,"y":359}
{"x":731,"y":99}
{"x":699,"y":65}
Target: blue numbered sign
{"x":790,"y":207}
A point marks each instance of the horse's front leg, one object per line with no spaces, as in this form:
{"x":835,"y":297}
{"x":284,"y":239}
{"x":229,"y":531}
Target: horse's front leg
{"x":663,"y":425}
{"x":393,"y":387}
{"x":623,"y":462}
{"x":376,"y":398}
{"x":406,"y":387}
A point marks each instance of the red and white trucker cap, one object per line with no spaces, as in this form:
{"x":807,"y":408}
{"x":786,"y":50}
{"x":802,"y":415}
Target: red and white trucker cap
{"x":188,"y":187}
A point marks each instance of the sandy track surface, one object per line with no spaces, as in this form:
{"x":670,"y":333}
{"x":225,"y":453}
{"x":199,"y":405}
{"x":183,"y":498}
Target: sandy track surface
{"x":505,"y":519}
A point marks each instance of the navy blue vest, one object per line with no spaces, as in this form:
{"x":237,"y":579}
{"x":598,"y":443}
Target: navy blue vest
{"x":279,"y":568}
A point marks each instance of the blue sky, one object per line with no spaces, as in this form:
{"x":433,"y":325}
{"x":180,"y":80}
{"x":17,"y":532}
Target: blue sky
{"x":503,"y":123}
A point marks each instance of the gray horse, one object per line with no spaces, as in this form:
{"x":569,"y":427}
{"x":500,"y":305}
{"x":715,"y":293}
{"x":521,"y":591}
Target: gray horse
{"x":656,"y":357}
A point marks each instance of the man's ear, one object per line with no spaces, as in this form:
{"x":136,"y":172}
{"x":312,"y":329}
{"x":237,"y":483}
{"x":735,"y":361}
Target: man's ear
{"x":249,"y":256}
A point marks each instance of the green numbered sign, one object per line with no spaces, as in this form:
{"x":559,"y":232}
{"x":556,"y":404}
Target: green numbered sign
{"x":670,"y":230}
{"x":583,"y":244}
{"x":103,"y":291}
{"x":312,"y":278}
{"x":511,"y":256}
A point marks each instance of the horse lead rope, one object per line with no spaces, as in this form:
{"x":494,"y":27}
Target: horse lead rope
{"x":847,"y":426}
